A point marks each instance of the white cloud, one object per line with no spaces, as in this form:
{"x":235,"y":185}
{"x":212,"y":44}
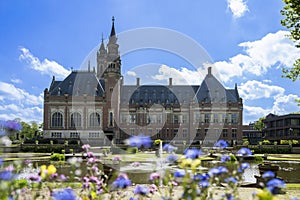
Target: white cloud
{"x":256,"y":90}
{"x":16,"y":80}
{"x":50,"y":68}
{"x":253,"y":113}
{"x":259,"y":56}
{"x":237,"y":7}
{"x":285,"y":104}
{"x":131,"y":73}
{"x":10,"y":92}
{"x":17,"y":103}
{"x":181,"y":76}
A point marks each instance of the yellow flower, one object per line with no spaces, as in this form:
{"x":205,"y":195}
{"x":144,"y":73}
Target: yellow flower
{"x":51,"y":169}
{"x":185,"y":163}
{"x":195,"y":163}
{"x":265,"y":195}
{"x":43,"y":171}
{"x":46,"y":171}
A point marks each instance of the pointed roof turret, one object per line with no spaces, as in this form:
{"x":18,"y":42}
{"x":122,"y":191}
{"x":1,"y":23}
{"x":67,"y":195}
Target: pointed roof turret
{"x":102,"y":47}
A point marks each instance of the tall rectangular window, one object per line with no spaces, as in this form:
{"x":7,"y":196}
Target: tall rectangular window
{"x":234,"y":132}
{"x":234,"y":118}
{"x":206,"y":118}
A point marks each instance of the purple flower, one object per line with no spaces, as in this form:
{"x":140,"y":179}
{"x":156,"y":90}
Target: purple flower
{"x":222,"y":144}
{"x":1,"y":162}
{"x":140,"y":189}
{"x":244,"y":152}
{"x":86,"y":146}
{"x":152,"y":188}
{"x":89,"y":154}
{"x":6,"y":175}
{"x":135,"y":164}
{"x":192,"y":153}
{"x":66,"y":194}
{"x":179,"y":174}
{"x":122,"y":181}
{"x":154,"y":176}
{"x":171,"y":158}
{"x":169,"y":148}
{"x":139,"y":141}
{"x":268,"y":174}
{"x":225,"y":158}
{"x":34,"y":177}
{"x":116,"y":158}
{"x":12,"y":125}
{"x":62,"y":177}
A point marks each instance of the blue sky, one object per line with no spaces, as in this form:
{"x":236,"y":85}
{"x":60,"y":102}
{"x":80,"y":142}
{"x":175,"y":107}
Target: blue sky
{"x":243,"y":39}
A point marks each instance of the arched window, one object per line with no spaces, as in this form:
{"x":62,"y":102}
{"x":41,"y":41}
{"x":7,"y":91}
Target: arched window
{"x":57,"y":120}
{"x":75,"y":119}
{"x":94,"y":120}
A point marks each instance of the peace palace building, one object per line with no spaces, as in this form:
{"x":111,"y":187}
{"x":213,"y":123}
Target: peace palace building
{"x":97,"y":108}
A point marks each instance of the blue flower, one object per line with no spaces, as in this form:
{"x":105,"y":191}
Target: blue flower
{"x":276,"y":182}
{"x":169,"y":148}
{"x":217,"y":171}
{"x":171,"y":158}
{"x":201,"y":177}
{"x":244,"y":152}
{"x":2,"y":132}
{"x":1,"y":162}
{"x":222,"y":144}
{"x":203,"y":184}
{"x":275,"y":185}
{"x":122,"y":181}
{"x":243,"y":166}
{"x":228,"y":196}
{"x":6,"y":175}
{"x":231,"y":180}
{"x":66,"y":194}
{"x":179,"y":174}
{"x":139,"y":189}
{"x":192,"y":153}
{"x":225,"y":158}
{"x":268,"y":174}
{"x":139,"y":141}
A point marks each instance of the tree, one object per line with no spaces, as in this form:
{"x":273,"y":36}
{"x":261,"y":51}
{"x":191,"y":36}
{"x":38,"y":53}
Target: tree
{"x":291,"y":11}
{"x":259,"y":125}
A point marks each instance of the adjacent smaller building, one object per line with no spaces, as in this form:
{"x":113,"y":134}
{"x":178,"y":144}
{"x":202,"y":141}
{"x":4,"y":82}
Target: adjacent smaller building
{"x":282,"y":127}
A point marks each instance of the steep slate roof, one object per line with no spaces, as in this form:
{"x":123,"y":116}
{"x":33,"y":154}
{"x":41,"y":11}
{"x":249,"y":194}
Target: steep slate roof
{"x":77,"y":84}
{"x":157,"y":94}
{"x":210,"y":91}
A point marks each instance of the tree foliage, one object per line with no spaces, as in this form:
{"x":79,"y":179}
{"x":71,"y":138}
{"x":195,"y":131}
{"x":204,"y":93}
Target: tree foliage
{"x":259,"y":125}
{"x":291,"y":12}
{"x":29,"y":130}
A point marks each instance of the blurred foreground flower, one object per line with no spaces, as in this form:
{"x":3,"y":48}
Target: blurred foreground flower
{"x":66,"y":194}
{"x":139,"y":141}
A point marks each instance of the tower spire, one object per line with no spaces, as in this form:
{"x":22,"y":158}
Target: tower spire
{"x":113,"y":32}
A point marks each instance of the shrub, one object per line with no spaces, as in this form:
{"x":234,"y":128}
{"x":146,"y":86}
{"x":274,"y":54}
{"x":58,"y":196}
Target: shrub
{"x":57,"y":157}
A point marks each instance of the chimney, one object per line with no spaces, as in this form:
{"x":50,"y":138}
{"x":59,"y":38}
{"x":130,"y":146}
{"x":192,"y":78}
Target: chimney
{"x":209,"y":71}
{"x":170,"y":82}
{"x":137,"y":81}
